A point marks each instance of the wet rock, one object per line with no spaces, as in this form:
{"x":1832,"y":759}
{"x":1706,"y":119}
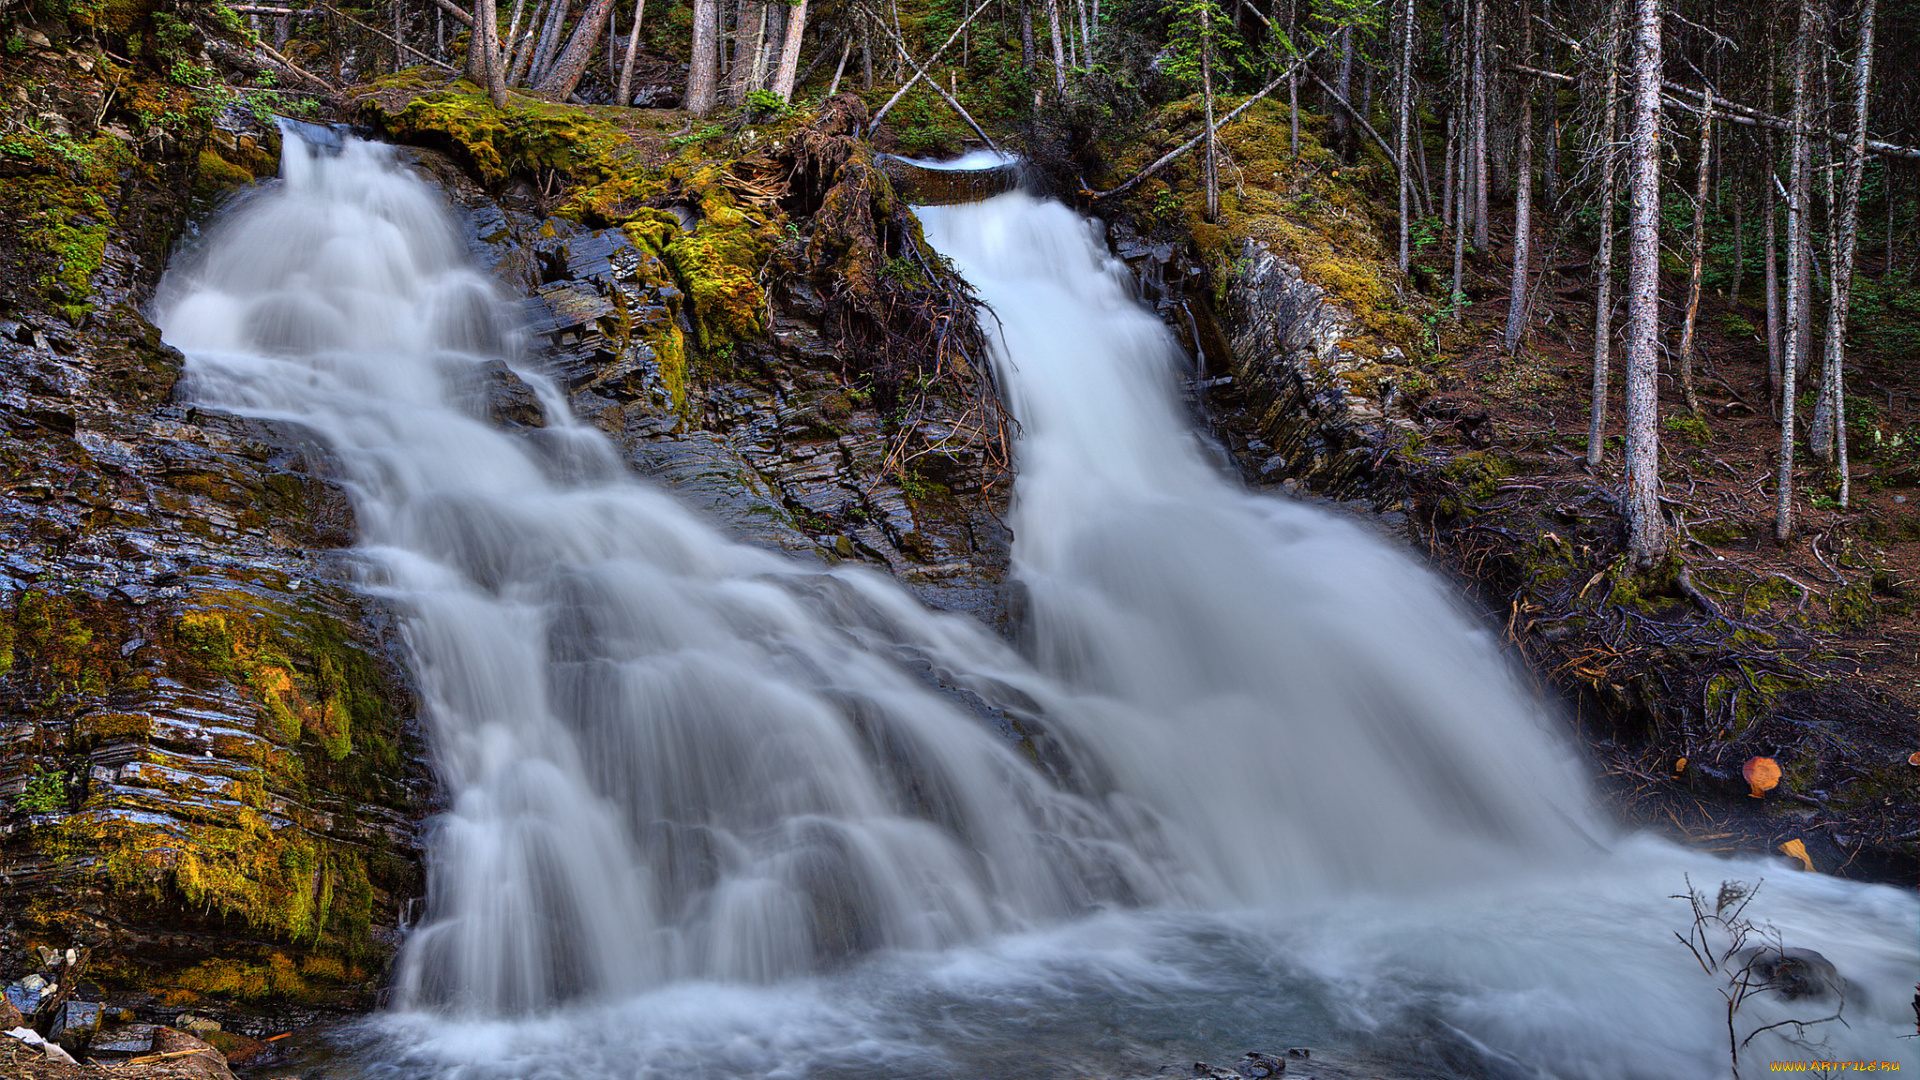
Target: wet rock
{"x":75,"y":1021}
{"x":1323,"y":408}
{"x":1792,"y":973}
{"x":197,"y":1026}
{"x":198,"y":1058}
{"x":122,"y":1041}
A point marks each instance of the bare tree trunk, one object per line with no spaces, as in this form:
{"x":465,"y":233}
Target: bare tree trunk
{"x":1697,"y":274}
{"x":790,"y":51}
{"x":703,"y":65}
{"x":748,"y":40}
{"x":520,"y":57}
{"x":624,"y":95}
{"x":1478,"y":44}
{"x":1206,"y":82}
{"x":1799,"y":195}
{"x":1059,"y":47}
{"x":1406,"y":109}
{"x":1343,"y":139}
{"x":1293,"y":107}
{"x":549,"y":40}
{"x":1845,"y":233}
{"x":1522,"y":200}
{"x":1772,"y":240}
{"x":1026,"y":38}
{"x":840,"y":68}
{"x":1647,"y":530}
{"x":1603,"y":258}
{"x":866,"y":54}
{"x":564,"y":74}
{"x":1086,"y":35}
{"x":1739,"y":233}
{"x":483,"y":52}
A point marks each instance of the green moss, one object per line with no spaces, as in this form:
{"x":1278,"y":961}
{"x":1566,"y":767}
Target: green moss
{"x":1479,"y":472}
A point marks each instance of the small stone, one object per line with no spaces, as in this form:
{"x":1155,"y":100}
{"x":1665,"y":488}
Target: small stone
{"x":197,"y":1026}
{"x":77,"y":1020}
{"x":1300,"y":1052}
{"x":48,"y":956}
{"x":36,"y":983}
{"x":127,"y":1040}
{"x":1258,"y":1065}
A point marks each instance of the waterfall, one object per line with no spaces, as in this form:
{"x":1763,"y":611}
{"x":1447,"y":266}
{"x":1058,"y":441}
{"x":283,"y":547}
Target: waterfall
{"x":713,"y":811}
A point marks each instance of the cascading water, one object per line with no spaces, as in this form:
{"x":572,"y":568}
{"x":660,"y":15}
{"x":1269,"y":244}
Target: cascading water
{"x":710,"y":814}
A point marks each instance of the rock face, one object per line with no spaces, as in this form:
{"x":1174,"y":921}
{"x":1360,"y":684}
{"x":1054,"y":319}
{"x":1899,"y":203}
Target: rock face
{"x":1324,"y":408}
{"x":206,"y":753}
{"x":766,"y":434}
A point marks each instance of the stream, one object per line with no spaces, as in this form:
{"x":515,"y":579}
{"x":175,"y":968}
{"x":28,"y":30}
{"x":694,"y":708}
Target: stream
{"x":1250,"y":778}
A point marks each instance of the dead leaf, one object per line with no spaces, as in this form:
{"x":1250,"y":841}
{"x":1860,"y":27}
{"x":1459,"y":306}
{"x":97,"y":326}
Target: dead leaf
{"x":1913,"y":758}
{"x":1796,"y":850}
{"x":1762,"y":775}
{"x":1680,"y":766}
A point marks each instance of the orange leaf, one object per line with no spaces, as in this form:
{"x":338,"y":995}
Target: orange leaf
{"x":1913,"y":758}
{"x":1794,"y":849}
{"x":1762,"y":775}
{"x":1680,"y":766}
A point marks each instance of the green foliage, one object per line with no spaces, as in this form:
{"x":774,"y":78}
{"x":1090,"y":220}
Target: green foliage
{"x":766,"y":103}
{"x":711,"y":131}
{"x":1689,"y":427}
{"x":45,"y":793}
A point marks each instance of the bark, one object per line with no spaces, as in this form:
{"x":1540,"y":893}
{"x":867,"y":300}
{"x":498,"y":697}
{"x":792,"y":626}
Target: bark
{"x":564,"y":74}
{"x":1603,"y":257}
{"x":1647,"y":536}
{"x":484,"y":66}
{"x":1845,"y":230}
{"x":1293,"y":99}
{"x":1405,"y":77}
{"x":1739,"y":237}
{"x":624,"y":94}
{"x":703,"y":65}
{"x":1798,"y":197}
{"x":1478,"y":45}
{"x":1343,"y":89}
{"x":1059,"y":47}
{"x":790,"y":51}
{"x":1522,"y":202}
{"x":1206,"y":82}
{"x":748,"y":39}
{"x":1697,"y":273}
{"x":1026,"y":38}
{"x":520,"y":56}
{"x":549,"y":40}
{"x":840,"y":68}
{"x":1772,"y":271}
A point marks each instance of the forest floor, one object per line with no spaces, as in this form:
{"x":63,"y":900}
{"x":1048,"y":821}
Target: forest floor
{"x":1807,"y":652}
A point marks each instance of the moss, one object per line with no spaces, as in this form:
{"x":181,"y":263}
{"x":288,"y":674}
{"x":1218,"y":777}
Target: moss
{"x":1852,"y":606}
{"x":1479,"y":472}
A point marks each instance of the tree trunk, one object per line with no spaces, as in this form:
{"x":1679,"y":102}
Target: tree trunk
{"x":1845,"y":232}
{"x":1771,"y":238}
{"x":1343,"y":138}
{"x":1404,"y":134}
{"x":1293,"y":106}
{"x":1799,"y":194}
{"x":1697,"y":274}
{"x":1478,"y":44}
{"x":1603,"y":257}
{"x":1522,"y":200}
{"x":1026,"y":38}
{"x":564,"y":74}
{"x":1739,"y":234}
{"x":1206,"y":83}
{"x":790,"y":51}
{"x":624,"y":95}
{"x":703,"y":65}
{"x":1647,"y":531}
{"x":484,"y":66}
{"x":1059,"y":47}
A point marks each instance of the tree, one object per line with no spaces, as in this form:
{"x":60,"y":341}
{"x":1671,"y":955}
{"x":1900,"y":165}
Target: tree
{"x":790,"y":51}
{"x":1799,"y":255}
{"x":1697,"y":273}
{"x":564,"y":73}
{"x":1603,"y":258}
{"x":1833,"y":408}
{"x":1405,"y":105}
{"x":703,"y":68}
{"x":1647,"y":538}
{"x":1522,"y":198}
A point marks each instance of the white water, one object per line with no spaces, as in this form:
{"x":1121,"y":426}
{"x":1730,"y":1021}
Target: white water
{"x":709,"y":818}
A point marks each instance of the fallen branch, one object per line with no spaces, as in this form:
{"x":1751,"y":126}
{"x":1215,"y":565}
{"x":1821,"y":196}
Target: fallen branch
{"x":908,"y":85}
{"x":920,"y":72}
{"x":456,"y":11}
{"x":253,"y":63}
{"x":1198,"y":139}
{"x":1361,"y":120}
{"x":1736,"y":112}
{"x":396,"y":41}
